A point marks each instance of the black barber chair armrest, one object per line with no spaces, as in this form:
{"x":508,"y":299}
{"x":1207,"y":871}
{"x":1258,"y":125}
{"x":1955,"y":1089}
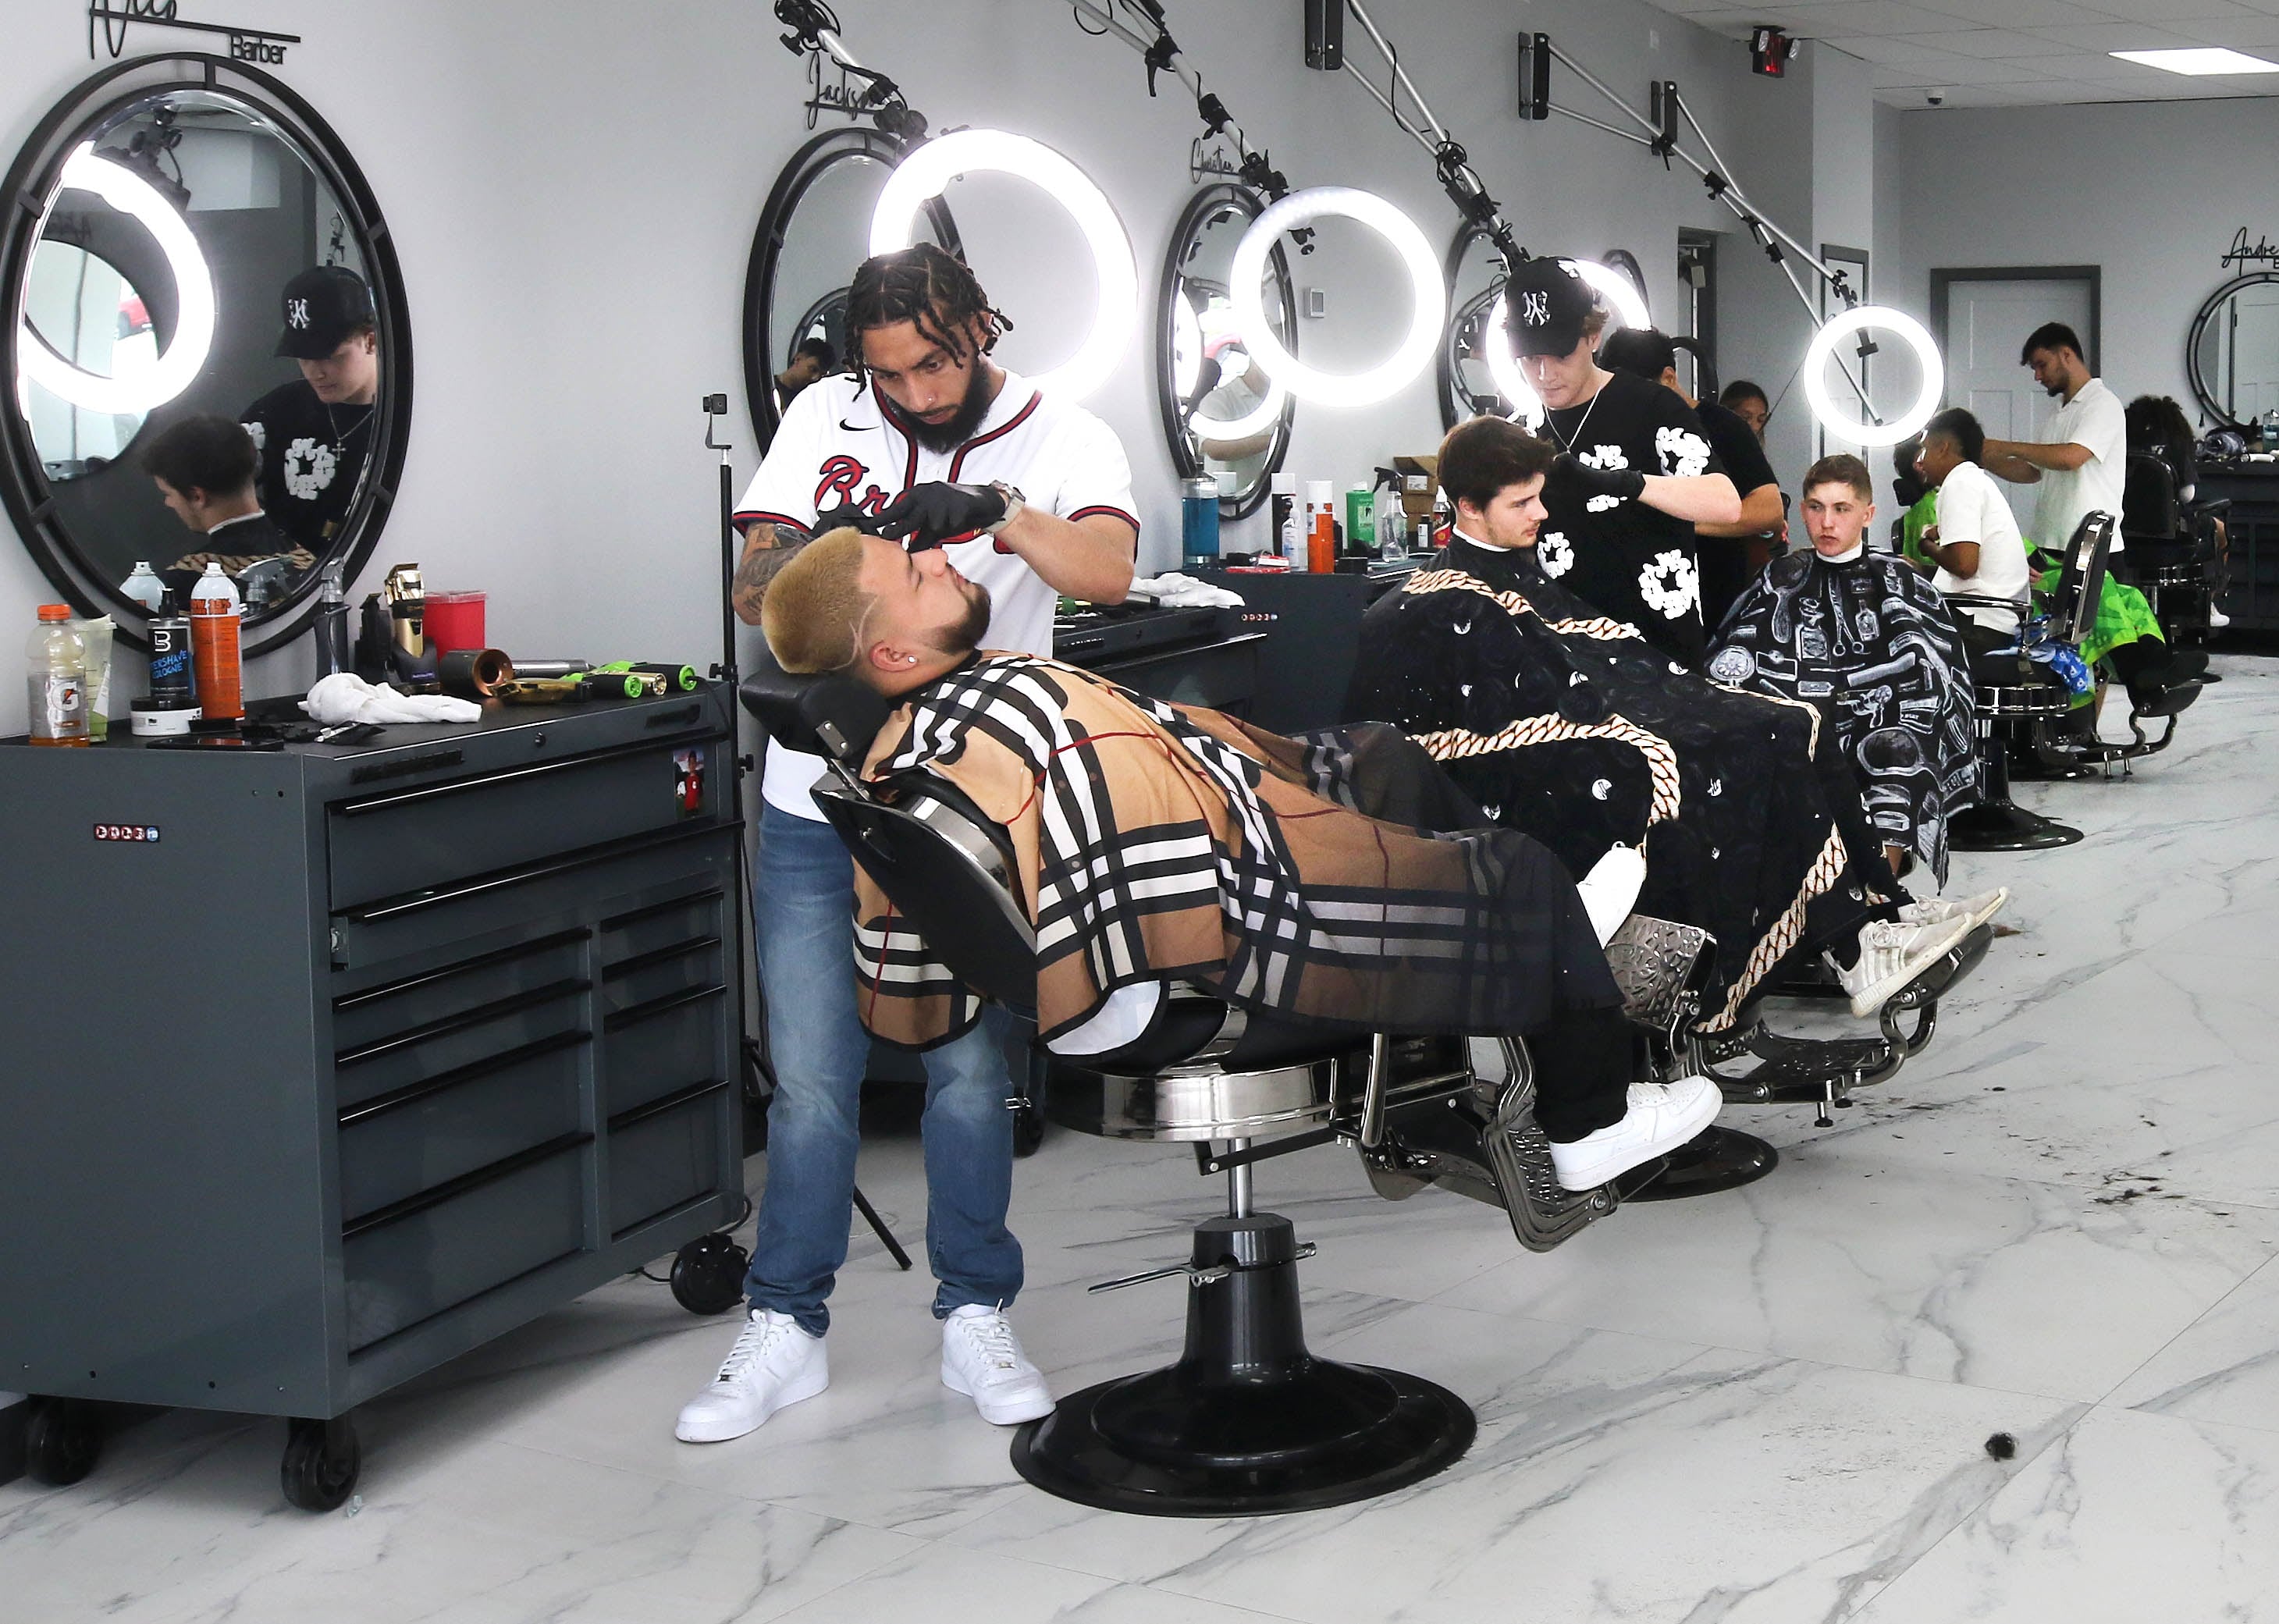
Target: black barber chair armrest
{"x":833,"y":715}
{"x":2210,"y":508}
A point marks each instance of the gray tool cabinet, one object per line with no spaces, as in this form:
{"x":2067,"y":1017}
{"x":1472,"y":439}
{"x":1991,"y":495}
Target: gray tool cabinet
{"x":323,"y":1066}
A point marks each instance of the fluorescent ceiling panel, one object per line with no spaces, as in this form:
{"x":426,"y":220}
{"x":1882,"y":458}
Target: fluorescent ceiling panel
{"x":2199,"y":59}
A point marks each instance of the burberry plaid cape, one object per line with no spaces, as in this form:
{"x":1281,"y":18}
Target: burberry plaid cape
{"x":1156,"y":842}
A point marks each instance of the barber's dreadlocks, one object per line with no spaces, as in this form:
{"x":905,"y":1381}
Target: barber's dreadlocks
{"x":928,"y":287}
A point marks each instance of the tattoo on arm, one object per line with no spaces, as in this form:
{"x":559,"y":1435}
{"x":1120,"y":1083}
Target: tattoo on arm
{"x":768,"y":547}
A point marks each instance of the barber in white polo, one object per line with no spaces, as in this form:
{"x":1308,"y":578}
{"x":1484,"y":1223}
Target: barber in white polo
{"x":2084,"y":464}
{"x":929,"y":439}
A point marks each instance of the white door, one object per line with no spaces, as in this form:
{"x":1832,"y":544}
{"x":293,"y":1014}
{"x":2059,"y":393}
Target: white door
{"x":1986,"y":323}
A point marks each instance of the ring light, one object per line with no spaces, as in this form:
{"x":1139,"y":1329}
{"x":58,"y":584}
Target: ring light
{"x":1824,"y":345}
{"x":1308,"y":383}
{"x":1625,"y":308}
{"x":194,"y":328}
{"x":921,"y":177}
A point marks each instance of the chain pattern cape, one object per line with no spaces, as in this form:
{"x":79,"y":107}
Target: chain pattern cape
{"x":1570,"y":727}
{"x":1872,"y":645}
{"x":1155,"y":842}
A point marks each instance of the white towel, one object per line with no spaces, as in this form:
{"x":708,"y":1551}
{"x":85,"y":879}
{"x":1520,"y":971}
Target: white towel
{"x":1177,"y":591}
{"x":347,"y":697}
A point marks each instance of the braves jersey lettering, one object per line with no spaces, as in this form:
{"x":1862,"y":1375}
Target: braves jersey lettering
{"x":840,"y":476}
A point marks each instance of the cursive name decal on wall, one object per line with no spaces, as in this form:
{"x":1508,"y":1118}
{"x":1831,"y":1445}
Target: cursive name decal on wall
{"x":2241,"y":253}
{"x":265,"y":45}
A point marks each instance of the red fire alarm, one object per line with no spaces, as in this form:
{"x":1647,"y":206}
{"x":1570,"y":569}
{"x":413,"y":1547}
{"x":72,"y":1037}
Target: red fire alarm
{"x":1769,"y":50}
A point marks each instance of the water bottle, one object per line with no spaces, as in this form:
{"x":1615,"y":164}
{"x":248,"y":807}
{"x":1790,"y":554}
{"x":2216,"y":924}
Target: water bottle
{"x":215,"y":606}
{"x":58,"y":671}
{"x":1289,"y":536}
{"x":1197,"y":524}
{"x":143,"y":585}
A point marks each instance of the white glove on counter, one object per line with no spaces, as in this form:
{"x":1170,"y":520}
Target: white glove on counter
{"x":347,"y":697}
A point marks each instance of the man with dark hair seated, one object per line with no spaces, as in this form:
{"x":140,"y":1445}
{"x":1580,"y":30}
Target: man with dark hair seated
{"x":204,"y":467}
{"x":1159,"y":842}
{"x":1568,"y":725}
{"x":1869,"y":643}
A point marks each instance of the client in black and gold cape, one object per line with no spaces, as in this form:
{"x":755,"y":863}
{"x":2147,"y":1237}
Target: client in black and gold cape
{"x":1569,"y":726}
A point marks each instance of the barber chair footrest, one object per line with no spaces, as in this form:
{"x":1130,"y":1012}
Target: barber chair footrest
{"x":2005,"y":827}
{"x":1248,"y":1422}
{"x":1715,"y":1160}
{"x":1803,"y":1070}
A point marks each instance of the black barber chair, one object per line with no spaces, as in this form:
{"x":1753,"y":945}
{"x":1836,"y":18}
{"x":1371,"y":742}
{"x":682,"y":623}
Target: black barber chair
{"x":1248,"y":1422}
{"x":2020,"y":703}
{"x":2170,"y":552}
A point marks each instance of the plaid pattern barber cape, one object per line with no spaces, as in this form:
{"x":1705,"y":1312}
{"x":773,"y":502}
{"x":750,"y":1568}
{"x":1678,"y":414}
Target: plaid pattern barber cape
{"x":1159,"y":843}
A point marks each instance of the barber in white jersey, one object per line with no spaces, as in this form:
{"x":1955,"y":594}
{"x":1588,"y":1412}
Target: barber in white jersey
{"x":927,"y":438}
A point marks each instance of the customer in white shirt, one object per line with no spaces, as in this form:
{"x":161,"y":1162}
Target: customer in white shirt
{"x":1975,"y":542}
{"x":2082,"y":467}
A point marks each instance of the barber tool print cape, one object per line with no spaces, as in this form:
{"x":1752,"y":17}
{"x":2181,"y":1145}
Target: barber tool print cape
{"x":1872,"y":645}
{"x":1568,"y":726}
{"x":1154,"y":842}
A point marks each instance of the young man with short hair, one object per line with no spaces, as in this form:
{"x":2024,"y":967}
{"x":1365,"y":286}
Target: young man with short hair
{"x":1861,"y":637}
{"x":1748,"y":402}
{"x":314,"y":434}
{"x":204,"y":466}
{"x":2083,"y":465}
{"x":1973,"y":542}
{"x":925,"y":437}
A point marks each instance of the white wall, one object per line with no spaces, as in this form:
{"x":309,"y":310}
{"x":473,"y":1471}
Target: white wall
{"x":2150,"y":191}
{"x":572,"y":187}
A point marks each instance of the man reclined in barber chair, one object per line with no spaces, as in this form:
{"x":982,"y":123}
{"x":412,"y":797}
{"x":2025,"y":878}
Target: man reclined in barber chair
{"x":1161,"y":843}
{"x":1566,"y":725}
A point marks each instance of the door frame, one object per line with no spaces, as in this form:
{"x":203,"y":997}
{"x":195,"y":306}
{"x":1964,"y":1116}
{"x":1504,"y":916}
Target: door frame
{"x":1859,"y":259}
{"x":1944,"y":276}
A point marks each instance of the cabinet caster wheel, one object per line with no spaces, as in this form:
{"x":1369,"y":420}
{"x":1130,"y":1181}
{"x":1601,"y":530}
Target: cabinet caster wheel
{"x":708,"y":1275}
{"x":322,"y":1462}
{"x":61,"y":1440}
{"x":1028,"y":1128}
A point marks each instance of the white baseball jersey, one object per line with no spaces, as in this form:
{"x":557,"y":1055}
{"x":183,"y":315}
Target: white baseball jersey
{"x":837,"y":446}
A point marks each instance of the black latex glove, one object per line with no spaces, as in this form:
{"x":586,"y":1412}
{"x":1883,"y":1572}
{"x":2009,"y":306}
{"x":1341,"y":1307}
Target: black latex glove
{"x":932,"y":515}
{"x":1628,"y":484}
{"x":847,"y":516}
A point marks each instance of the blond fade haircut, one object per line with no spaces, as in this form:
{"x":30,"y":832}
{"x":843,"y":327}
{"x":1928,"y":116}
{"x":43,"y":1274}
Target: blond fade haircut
{"x":816,"y":607}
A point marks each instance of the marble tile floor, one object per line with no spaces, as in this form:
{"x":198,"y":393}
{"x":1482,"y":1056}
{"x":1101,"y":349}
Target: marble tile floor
{"x":2060,"y":1222}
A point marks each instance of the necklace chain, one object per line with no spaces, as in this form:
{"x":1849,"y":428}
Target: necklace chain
{"x":333,"y":422}
{"x":1567,"y":442}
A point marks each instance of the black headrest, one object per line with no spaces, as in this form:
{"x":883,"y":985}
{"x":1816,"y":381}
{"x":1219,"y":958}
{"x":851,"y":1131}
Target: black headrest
{"x":2080,"y":581}
{"x":835,"y":715}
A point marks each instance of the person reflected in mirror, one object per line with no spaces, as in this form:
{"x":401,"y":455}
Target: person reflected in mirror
{"x":1733,"y":554}
{"x":812,"y":359}
{"x":314,"y":435}
{"x":1748,"y":402}
{"x":1635,"y":473}
{"x":204,"y":467}
{"x":2082,"y":467}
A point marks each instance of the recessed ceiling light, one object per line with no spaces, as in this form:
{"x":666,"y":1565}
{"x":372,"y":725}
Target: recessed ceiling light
{"x":2199,"y":59}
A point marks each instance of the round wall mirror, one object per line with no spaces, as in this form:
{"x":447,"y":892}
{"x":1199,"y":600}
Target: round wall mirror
{"x":1223,"y":416}
{"x":1477,"y":272}
{"x":2232,"y":352}
{"x":205,"y":329}
{"x":814,"y":232}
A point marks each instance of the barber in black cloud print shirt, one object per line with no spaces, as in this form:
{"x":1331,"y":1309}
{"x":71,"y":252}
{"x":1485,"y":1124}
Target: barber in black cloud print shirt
{"x":315,"y":433}
{"x":1634,"y":473}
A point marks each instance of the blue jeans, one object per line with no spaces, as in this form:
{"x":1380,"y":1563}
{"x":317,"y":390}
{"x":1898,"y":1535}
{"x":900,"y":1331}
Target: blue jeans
{"x":804,"y":903}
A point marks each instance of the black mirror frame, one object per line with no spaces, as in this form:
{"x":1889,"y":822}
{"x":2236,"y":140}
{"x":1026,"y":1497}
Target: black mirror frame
{"x":1217,"y":196}
{"x":798,"y":175}
{"x":23,"y":480}
{"x":1466,"y":235}
{"x":2201,"y":388}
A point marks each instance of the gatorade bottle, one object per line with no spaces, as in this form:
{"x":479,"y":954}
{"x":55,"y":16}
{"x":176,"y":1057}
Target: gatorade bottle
{"x":214,"y":608}
{"x":57,"y":661}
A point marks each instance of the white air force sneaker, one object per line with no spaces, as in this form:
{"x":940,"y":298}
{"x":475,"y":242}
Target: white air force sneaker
{"x":982,"y":1358}
{"x":774,"y":1363}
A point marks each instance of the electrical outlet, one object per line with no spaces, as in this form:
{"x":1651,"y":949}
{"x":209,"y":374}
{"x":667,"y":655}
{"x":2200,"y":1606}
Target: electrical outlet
{"x":1317,"y":304}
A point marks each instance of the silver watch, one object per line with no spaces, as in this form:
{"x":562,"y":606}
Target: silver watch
{"x":1014,"y":503}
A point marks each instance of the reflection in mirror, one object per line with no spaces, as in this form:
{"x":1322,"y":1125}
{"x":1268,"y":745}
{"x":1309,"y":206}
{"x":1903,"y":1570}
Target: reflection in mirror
{"x":814,"y":232}
{"x":2234,"y":351}
{"x":1224,"y":417}
{"x":198,"y":356}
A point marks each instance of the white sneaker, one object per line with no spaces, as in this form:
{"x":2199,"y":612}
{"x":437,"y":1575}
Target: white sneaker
{"x":1610,"y":890}
{"x":1977,"y":909}
{"x":982,"y":1358}
{"x":774,"y":1363}
{"x":1892,"y":953}
{"x":2217,"y":619}
{"x":1662,"y":1117}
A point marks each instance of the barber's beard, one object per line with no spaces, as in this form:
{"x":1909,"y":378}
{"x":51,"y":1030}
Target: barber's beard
{"x":948,"y":436}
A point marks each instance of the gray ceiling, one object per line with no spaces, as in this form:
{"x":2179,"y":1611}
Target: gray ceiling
{"x":2013,"y":53}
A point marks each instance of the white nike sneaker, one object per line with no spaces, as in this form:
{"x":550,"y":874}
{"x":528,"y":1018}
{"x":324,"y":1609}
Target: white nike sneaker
{"x":1662,"y":1117}
{"x":773,"y":1363}
{"x":1977,"y":909}
{"x":1610,"y":890}
{"x":982,"y":1358}
{"x":1892,"y":953}
{"x":2217,"y":619}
